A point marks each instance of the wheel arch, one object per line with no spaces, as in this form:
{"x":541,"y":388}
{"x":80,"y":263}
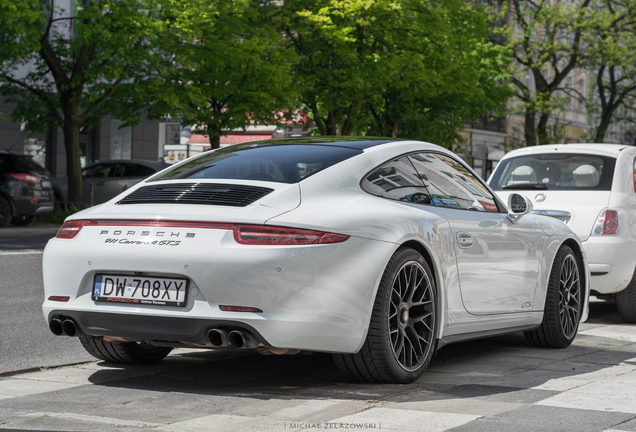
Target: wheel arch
{"x":441,"y":300}
{"x":580,"y":253}
{"x":9,"y":199}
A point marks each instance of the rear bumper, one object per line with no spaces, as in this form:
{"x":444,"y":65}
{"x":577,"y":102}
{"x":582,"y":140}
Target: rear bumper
{"x":611,"y":260}
{"x":316,"y":298}
{"x":28,"y":205}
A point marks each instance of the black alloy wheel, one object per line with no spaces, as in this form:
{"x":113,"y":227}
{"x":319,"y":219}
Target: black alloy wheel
{"x":563,"y":303}
{"x":402,"y":333}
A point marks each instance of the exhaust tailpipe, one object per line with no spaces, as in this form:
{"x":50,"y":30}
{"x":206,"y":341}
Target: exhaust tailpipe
{"x":217,"y":337}
{"x":70,"y":328}
{"x":56,"y":327}
{"x":240,"y":339}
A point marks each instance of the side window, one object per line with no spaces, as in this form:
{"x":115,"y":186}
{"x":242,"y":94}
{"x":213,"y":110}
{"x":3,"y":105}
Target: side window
{"x":134,"y":170}
{"x":397,"y":180}
{"x":451,"y":185}
{"x":99,"y":170}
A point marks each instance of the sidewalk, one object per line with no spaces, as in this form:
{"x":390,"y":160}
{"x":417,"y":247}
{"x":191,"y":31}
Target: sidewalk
{"x":498,"y":384}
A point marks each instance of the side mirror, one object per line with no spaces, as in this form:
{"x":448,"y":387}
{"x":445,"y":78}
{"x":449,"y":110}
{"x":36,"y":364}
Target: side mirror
{"x":518,"y":206}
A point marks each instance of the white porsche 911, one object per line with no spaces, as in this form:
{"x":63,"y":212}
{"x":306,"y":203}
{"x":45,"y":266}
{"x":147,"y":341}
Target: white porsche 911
{"x":379,"y":251}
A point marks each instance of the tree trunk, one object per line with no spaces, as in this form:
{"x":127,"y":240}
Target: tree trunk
{"x":214,"y":135}
{"x":530,"y":130}
{"x":606,"y":119}
{"x":215,"y":141}
{"x":542,"y":129}
{"x":73,"y":160}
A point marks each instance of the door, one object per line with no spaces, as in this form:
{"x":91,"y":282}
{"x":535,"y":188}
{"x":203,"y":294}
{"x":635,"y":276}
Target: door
{"x":497,"y":261}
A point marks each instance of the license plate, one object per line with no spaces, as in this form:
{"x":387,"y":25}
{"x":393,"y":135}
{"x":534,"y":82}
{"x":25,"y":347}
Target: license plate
{"x":46,"y":184}
{"x":140,"y":290}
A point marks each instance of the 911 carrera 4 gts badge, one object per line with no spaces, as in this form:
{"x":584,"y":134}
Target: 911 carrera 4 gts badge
{"x":145,"y":237}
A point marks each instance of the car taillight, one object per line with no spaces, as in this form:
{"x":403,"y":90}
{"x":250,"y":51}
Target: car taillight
{"x":267,"y":235}
{"x":607,"y":223}
{"x":71,"y":228}
{"x":243,"y":234}
{"x":26,"y":178}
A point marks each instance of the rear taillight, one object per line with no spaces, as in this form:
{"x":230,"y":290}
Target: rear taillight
{"x":266,"y":235}
{"x":26,"y":178}
{"x":607,"y":223}
{"x":243,"y":234}
{"x":71,"y":228}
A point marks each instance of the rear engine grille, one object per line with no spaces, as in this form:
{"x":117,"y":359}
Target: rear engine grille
{"x":197,"y":193}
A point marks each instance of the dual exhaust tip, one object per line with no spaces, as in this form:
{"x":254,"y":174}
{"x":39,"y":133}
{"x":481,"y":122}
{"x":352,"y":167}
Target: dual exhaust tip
{"x":218,"y":337}
{"x":64,"y":327}
{"x":236,"y":338}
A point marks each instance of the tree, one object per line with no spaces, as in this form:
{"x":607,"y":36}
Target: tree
{"x":545,"y":36}
{"x":407,"y":67}
{"x":69,"y":68}
{"x":225,"y":65}
{"x":612,"y":59}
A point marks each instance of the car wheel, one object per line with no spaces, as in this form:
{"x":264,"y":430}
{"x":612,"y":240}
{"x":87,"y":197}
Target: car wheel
{"x":626,"y":302}
{"x":401,"y":337}
{"x":123,"y":352}
{"x":5,"y":212}
{"x":23,"y":220}
{"x":563,"y":303}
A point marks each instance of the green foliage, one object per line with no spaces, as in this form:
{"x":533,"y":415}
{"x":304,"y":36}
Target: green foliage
{"x":611,"y":49}
{"x":545,"y":37}
{"x":57,"y":217}
{"x":375,"y":67}
{"x":224,"y":65}
{"x":69,"y":68}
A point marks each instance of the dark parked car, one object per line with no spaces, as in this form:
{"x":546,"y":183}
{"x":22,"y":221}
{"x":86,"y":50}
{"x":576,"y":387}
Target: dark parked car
{"x":25,"y":189}
{"x":107,"y":179}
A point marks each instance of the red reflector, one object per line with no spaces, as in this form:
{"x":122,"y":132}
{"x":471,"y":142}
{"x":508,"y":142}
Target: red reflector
{"x":267,"y":235}
{"x":26,"y":178}
{"x":239,"y":309}
{"x":610,"y":224}
{"x":59,"y":298}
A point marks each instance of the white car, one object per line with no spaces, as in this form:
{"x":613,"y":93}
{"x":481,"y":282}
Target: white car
{"x":379,"y":251}
{"x":592,"y":188}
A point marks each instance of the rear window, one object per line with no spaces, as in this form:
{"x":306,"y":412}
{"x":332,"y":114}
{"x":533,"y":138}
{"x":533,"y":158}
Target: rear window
{"x":26,"y":165}
{"x":288,"y":163}
{"x":554,"y":171}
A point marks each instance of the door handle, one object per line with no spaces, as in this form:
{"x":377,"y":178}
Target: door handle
{"x":465,"y":240}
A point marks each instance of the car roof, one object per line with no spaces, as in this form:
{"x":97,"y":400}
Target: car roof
{"x":152,"y":163}
{"x":588,"y":148}
{"x":359,"y":143}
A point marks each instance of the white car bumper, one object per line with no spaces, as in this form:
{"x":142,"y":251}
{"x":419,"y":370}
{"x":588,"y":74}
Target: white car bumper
{"x":316,"y":297}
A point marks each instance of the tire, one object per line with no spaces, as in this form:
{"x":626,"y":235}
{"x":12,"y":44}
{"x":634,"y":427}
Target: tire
{"x":563,"y":303}
{"x":5,"y":212}
{"x":401,"y":338}
{"x":123,"y":352}
{"x":23,"y":220}
{"x":626,"y":302}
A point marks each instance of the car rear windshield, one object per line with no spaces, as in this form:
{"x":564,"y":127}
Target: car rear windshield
{"x":26,"y":165}
{"x":287,"y":163}
{"x":554,"y":171}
